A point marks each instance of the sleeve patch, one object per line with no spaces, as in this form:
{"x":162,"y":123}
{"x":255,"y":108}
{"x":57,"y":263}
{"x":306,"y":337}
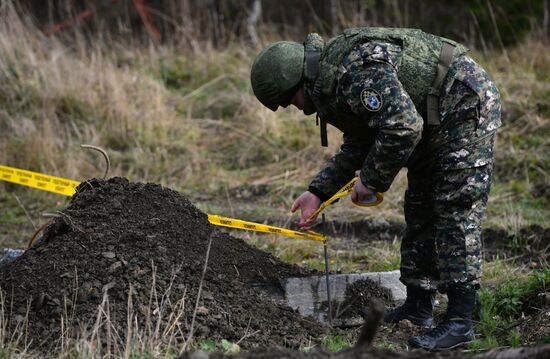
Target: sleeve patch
{"x":371,"y":99}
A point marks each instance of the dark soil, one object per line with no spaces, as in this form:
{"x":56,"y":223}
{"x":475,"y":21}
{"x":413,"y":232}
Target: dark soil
{"x":359,"y":295}
{"x":538,"y":352}
{"x":529,"y":244}
{"x":116,"y":235}
{"x":535,"y":328}
{"x":323,"y":353}
{"x":364,"y":230}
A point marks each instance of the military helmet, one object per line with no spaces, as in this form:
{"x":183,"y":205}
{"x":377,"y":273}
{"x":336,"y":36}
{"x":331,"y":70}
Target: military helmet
{"x":276,"y":74}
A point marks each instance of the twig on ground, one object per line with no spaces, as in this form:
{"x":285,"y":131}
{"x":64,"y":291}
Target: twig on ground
{"x":246,"y":334}
{"x":105,"y":156}
{"x":198,"y":294}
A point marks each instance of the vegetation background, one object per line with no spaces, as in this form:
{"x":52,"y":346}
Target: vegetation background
{"x":166,"y":93}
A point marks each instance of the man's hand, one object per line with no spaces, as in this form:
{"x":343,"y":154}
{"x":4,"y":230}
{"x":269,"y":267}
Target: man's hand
{"x":360,"y":193}
{"x":308,"y":203}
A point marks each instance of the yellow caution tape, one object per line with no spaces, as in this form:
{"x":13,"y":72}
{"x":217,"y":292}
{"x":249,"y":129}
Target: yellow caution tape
{"x":67,"y":187}
{"x":375,"y":200}
{"x":41,"y":181}
{"x":258,"y":227}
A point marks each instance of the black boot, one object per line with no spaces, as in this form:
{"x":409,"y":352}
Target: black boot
{"x":456,"y":328}
{"x":418,"y":309}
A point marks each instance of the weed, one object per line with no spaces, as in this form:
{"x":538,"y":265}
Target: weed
{"x":516,"y":297}
{"x":336,"y":342}
{"x":515,"y":339}
{"x":384,"y":344}
{"x":505,"y":306}
{"x":208,"y":345}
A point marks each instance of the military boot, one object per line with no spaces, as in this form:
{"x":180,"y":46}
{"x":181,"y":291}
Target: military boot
{"x":456,"y":327}
{"x":418,"y":309}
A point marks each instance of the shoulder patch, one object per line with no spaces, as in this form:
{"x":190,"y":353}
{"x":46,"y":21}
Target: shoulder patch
{"x":371,"y":99}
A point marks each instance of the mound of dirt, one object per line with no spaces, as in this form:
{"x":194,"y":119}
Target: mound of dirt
{"x":359,"y":295}
{"x":118,"y":237}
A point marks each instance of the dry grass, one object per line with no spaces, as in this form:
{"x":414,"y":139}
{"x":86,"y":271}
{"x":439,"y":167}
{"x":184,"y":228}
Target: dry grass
{"x":159,"y":329}
{"x":186,"y":118}
{"x":207,"y":133}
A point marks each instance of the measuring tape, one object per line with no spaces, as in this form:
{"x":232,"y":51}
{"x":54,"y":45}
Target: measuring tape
{"x":37,"y":180}
{"x":374,"y":200}
{"x":258,"y":227}
{"x":68,"y":188}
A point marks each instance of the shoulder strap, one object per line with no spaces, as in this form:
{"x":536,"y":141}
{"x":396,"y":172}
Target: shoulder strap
{"x":312,"y":63}
{"x":311,"y":71}
{"x":432,"y":105}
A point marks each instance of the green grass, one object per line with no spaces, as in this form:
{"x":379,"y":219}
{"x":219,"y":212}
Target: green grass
{"x":188,"y":120}
{"x":503,"y":308}
{"x":337,"y":342}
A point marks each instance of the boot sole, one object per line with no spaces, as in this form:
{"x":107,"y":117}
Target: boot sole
{"x":443,"y":349}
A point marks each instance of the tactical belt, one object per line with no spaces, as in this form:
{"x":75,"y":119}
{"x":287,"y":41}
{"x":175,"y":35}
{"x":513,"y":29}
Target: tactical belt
{"x":432,"y":100}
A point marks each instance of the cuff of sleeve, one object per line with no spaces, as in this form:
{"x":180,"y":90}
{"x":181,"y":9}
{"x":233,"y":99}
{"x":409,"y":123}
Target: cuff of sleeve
{"x":323,"y":197}
{"x":373,"y":185}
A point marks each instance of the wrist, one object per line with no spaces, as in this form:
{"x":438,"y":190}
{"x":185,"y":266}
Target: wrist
{"x":317,"y":193}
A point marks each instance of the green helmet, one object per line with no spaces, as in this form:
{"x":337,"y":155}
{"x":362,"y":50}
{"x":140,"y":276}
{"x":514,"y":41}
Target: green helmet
{"x":277,"y":73}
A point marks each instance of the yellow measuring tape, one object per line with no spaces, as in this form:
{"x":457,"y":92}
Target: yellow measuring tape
{"x":68,"y":188}
{"x":258,"y":227}
{"x":375,"y":200}
{"x":38,"y":180}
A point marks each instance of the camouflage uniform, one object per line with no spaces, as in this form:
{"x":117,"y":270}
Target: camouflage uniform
{"x":449,"y":166}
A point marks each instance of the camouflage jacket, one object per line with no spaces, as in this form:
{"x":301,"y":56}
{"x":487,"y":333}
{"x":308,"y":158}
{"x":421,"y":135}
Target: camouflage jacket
{"x":384,"y":126}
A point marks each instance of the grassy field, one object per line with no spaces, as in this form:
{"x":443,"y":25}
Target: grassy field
{"x":187,"y":119}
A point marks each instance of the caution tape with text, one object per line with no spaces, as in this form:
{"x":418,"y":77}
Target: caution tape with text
{"x":37,"y":180}
{"x":68,"y":188}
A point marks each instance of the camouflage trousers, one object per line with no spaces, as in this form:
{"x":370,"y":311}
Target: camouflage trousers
{"x":441,"y":247}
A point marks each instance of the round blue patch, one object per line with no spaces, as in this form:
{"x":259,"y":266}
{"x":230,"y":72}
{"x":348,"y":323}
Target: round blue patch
{"x":371,"y":99}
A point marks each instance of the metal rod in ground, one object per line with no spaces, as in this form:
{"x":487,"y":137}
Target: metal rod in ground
{"x":325,"y":245}
{"x":328,"y":284}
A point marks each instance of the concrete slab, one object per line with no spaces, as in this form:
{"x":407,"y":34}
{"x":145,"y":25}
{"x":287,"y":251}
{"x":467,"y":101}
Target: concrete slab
{"x":309,"y":294}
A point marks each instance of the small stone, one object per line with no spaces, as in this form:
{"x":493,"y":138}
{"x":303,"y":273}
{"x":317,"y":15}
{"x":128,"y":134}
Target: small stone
{"x":202,"y":310}
{"x":115,"y":266}
{"x":109,"y":255}
{"x":207,"y":295}
{"x":115,"y":204}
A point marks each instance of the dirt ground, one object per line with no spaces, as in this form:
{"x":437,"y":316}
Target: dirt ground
{"x":530,"y":245}
{"x":122,"y":246}
{"x":117,"y":235}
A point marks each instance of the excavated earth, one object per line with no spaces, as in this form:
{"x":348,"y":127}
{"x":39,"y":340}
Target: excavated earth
{"x":116,"y":235}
